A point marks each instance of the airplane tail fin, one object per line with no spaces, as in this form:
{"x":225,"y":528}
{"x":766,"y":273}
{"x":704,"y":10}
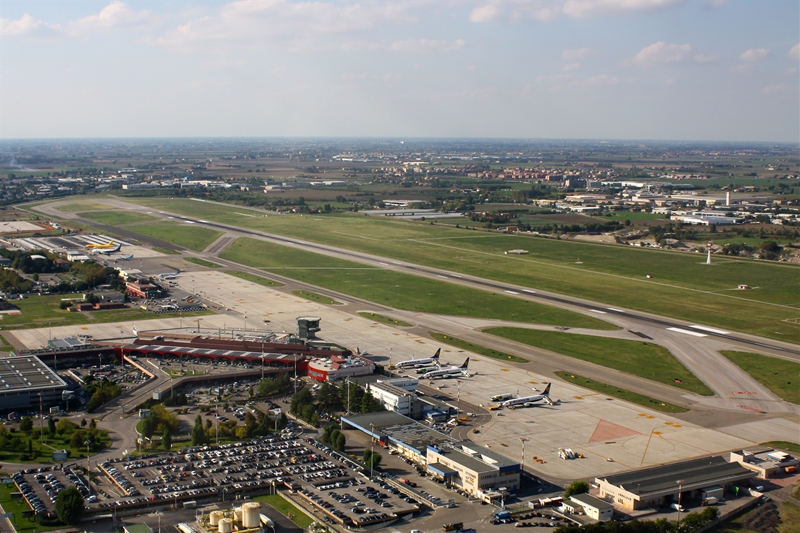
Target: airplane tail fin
{"x":436,"y":355}
{"x":546,"y":390}
{"x":466,"y":364}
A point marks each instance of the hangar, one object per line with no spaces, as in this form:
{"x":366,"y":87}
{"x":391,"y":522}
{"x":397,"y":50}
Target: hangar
{"x":665,"y":484}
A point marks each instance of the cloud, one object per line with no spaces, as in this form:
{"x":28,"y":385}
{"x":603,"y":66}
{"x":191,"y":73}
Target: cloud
{"x":716,"y":4}
{"x":742,"y":69}
{"x":309,"y":25}
{"x":426,"y":46}
{"x":115,"y":15}
{"x":24,"y":26}
{"x":601,"y":79}
{"x":777,"y":88}
{"x":794,"y":52}
{"x":706,"y":58}
{"x":570,"y":67}
{"x":662,"y":52}
{"x":546,"y":10}
{"x":755,"y":54}
{"x":576,"y":53}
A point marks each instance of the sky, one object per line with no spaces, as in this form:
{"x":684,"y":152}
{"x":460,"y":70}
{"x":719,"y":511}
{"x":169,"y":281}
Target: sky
{"x":706,"y":70}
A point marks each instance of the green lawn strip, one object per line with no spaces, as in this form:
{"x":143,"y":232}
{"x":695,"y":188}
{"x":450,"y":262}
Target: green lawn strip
{"x":384,"y":320}
{"x":43,"y":311}
{"x":285,"y":507}
{"x":783,"y":445}
{"x":488,"y":352}
{"x":85,"y":206}
{"x":397,"y":289}
{"x":642,"y":359}
{"x":202,"y":262}
{"x":180,"y":373}
{"x":681,"y":285}
{"x":255,"y":279}
{"x":165,"y":250}
{"x":314,"y":297}
{"x":195,"y":238}
{"x":622,"y":394}
{"x":22,"y":525}
{"x":116,"y":217}
{"x":778,"y":375}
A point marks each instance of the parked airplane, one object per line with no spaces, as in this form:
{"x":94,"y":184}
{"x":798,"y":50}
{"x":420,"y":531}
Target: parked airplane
{"x":501,"y":397}
{"x":126,"y":258}
{"x":527,"y":401}
{"x":169,"y":275}
{"x":420,"y":362}
{"x":447,"y":372}
{"x":426,"y":369}
{"x":106,"y":251}
{"x":135,"y":331}
{"x":95,"y":246}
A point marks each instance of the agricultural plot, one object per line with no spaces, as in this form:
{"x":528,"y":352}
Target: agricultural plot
{"x":192,"y":237}
{"x":641,"y":359}
{"x":116,"y":218}
{"x":402,"y":291}
{"x":680,"y":285}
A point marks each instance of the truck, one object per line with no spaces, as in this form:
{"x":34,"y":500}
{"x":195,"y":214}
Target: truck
{"x":678,"y":507}
{"x":711,"y":500}
{"x":455,"y":526}
{"x":501,"y":514}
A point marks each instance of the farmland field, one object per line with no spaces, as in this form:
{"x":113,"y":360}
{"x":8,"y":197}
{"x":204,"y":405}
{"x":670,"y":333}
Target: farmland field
{"x":680,"y":284}
{"x":116,"y":218}
{"x":399,"y":290}
{"x":641,"y":359}
{"x":192,"y":237}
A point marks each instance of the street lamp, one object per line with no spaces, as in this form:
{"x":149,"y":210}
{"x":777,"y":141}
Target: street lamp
{"x":680,"y":489}
{"x":41,"y":418}
{"x":372,"y":447}
{"x":522,"y":471}
{"x":458,"y":398}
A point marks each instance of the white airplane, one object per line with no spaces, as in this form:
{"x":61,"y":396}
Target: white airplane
{"x":169,"y":275}
{"x":106,"y":251}
{"x":125,"y":258}
{"x":420,"y":362}
{"x":135,"y":331}
{"x":527,"y":401}
{"x":447,"y":372}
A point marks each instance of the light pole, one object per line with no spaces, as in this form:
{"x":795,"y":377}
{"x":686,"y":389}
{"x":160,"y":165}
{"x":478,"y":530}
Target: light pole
{"x":217,"y":419}
{"x":680,"y":489}
{"x":390,"y":362}
{"x":262,"y":359}
{"x":41,"y":418}
{"x":372,"y":447}
{"x":522,"y":470}
{"x":458,"y":398}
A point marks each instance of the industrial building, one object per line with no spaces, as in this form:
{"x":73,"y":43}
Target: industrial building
{"x":478,"y":470}
{"x":766,"y":464}
{"x":594,"y":508}
{"x":663,"y":485}
{"x":25,"y":380}
{"x":339,"y":367}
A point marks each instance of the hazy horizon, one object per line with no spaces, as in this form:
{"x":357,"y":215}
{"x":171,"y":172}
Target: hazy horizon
{"x":667,"y":71}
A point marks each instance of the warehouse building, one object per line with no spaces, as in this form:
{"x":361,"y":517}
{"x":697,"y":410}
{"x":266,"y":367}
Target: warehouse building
{"x":594,"y":508}
{"x":23,"y":379}
{"x":480,"y":471}
{"x":766,"y":464}
{"x":663,"y":485}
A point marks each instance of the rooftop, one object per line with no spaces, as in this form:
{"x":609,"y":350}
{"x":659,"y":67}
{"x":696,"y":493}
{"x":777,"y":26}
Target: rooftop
{"x":590,"y":501}
{"x":27,"y":373}
{"x":400,"y":428}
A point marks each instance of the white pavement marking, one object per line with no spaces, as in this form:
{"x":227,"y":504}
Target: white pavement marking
{"x":687,"y":332}
{"x":597,"y":311}
{"x":455,"y":275}
{"x":439,"y":275}
{"x":528,"y":290}
{"x":511,"y":292}
{"x":712,"y":330}
{"x":615,"y":310}
{"x":384,"y":264}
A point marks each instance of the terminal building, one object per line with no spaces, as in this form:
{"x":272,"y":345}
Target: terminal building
{"x":26,"y":379}
{"x":663,"y":485}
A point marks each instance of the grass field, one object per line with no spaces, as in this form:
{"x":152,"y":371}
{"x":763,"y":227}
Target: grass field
{"x":286,"y":508}
{"x":85,"y":206}
{"x":17,"y":507}
{"x":165,"y":250}
{"x":382,"y":319}
{"x":622,"y":394}
{"x":116,"y":218}
{"x":314,"y":297}
{"x":641,"y":359}
{"x":488,"y":352}
{"x":783,"y":445}
{"x":192,"y":237}
{"x":399,"y":290}
{"x":778,"y":375}
{"x":202,"y":262}
{"x":41,"y":311}
{"x":681,"y":285}
{"x":255,"y":279}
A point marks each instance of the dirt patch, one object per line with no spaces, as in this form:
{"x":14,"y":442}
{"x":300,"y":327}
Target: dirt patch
{"x":765,"y":519}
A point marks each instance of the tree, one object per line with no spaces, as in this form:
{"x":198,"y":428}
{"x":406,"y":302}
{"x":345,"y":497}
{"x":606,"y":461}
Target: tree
{"x":371,"y":460}
{"x":51,"y":426}
{"x":166,"y":439}
{"x":198,"y":433}
{"x":69,"y":506}
{"x":26,"y":424}
{"x":576,"y":487}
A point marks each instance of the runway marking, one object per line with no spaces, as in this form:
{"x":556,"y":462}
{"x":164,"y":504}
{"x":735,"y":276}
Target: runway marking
{"x":528,"y":290}
{"x":712,"y":330}
{"x":455,"y":275}
{"x":687,"y":332}
{"x":511,"y":292}
{"x":615,"y":310}
{"x":396,"y":263}
{"x":605,"y":431}
{"x":745,"y":392}
{"x":597,"y":311}
{"x":384,"y":264}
